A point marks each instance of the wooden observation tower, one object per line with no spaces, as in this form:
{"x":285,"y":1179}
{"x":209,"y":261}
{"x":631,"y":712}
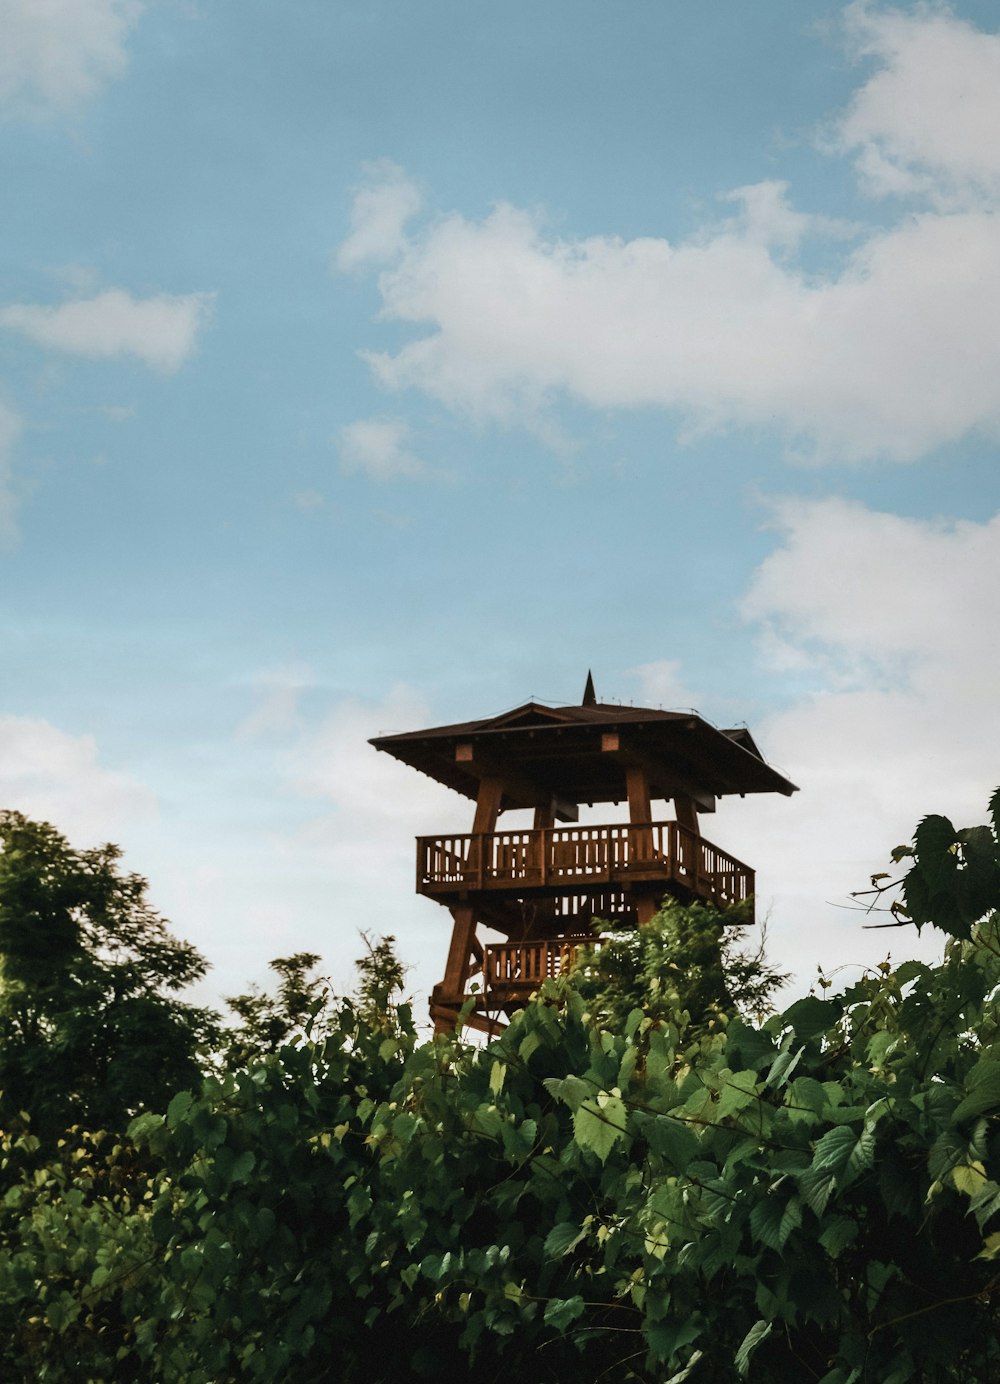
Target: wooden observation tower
{"x":538,"y":887}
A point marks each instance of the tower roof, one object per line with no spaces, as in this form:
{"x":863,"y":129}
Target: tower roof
{"x":579,"y":754}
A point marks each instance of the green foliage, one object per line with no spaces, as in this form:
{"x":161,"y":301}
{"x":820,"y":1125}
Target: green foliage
{"x":304,"y":1004}
{"x":266,"y":1021}
{"x":91,"y":1029}
{"x":669,"y":1192}
{"x":688,"y":959}
{"x":954,"y":880}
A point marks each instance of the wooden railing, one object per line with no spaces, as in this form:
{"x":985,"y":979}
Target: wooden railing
{"x":563,"y":859}
{"x":524,"y":965}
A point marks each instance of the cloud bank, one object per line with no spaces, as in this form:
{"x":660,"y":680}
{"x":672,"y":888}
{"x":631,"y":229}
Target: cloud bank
{"x":892,"y":354}
{"x":10,"y":429}
{"x":46,"y":773}
{"x":885,"y":625}
{"x":379,"y":449}
{"x":159,"y":331}
{"x":57,"y":54}
{"x":925,"y":123}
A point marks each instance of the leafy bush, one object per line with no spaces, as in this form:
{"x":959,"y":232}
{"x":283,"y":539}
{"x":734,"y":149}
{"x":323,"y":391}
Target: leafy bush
{"x":668,"y":1191}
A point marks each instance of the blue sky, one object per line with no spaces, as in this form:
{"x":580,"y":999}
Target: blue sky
{"x":366,"y":366}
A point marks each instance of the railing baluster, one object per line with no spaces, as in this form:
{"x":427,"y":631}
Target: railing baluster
{"x":561,"y":858}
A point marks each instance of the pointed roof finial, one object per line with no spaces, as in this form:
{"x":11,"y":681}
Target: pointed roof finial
{"x":589,"y":695}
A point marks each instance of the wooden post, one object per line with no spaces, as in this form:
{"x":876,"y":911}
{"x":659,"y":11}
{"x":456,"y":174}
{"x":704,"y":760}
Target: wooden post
{"x":646,"y":909}
{"x":463,"y":940}
{"x":640,"y":810}
{"x":488,"y":805}
{"x":637,"y":786}
{"x":543,"y":910}
{"x":686,"y":812}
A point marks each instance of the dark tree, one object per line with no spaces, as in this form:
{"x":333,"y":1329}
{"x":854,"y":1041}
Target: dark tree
{"x":265,"y":1021}
{"x":91,"y":1027}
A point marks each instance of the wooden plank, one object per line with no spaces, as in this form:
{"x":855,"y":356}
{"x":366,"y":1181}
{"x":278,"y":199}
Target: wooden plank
{"x":456,"y":970}
{"x":487,"y":805}
{"x":637,"y":787}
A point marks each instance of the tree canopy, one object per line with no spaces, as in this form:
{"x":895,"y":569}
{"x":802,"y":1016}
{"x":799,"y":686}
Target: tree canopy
{"x":92,"y":1029}
{"x":650,"y":1187}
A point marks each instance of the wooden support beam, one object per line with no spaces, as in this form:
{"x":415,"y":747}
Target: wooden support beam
{"x":637,"y":786}
{"x":488,"y":804}
{"x":463,"y":935}
{"x":686,"y":812}
{"x":646,"y":909}
{"x":518,"y":790}
{"x":445,"y":1017}
{"x":669,"y":780}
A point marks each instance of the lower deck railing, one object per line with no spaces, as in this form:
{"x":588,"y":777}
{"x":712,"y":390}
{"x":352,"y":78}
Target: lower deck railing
{"x":524,"y":965}
{"x":557,"y":860}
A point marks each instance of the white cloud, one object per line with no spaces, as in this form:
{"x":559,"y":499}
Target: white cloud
{"x":896,"y":354}
{"x":50,"y":775}
{"x":899,"y":594}
{"x":10,"y":429}
{"x":334,"y":762}
{"x":925,"y":122}
{"x":891,"y":353}
{"x":381,"y":208}
{"x":57,"y":54}
{"x":378,"y":448}
{"x":278,"y":694}
{"x":160,"y":330}
{"x":661,"y":684}
{"x":360,"y":843}
{"x":889,"y":622}
{"x":308,"y":500}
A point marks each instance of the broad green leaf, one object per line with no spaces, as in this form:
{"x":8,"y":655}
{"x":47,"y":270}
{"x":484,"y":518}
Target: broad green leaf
{"x":757,"y":1333}
{"x":774,"y":1218}
{"x":571,"y":1090}
{"x":497,"y":1073}
{"x":780,"y":1072}
{"x":816,"y":1186}
{"x":806,"y":1093}
{"x":561,"y":1311}
{"x":837,"y":1234}
{"x":985,"y":1202}
{"x":672,"y":1139}
{"x":684,"y":1373}
{"x":947,"y":1149}
{"x":243,"y":1166}
{"x":666,"y":1337}
{"x":179,"y":1107}
{"x":844,"y":1153}
{"x":995,"y":812}
{"x":983,"y":1090}
{"x":753,"y":1047}
{"x":739,"y":1090}
{"x":62,"y":1311}
{"x":599,"y":1123}
{"x":969,"y":1178}
{"x":810,"y":1016}
{"x":562,"y":1238}
{"x":933,"y":841}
